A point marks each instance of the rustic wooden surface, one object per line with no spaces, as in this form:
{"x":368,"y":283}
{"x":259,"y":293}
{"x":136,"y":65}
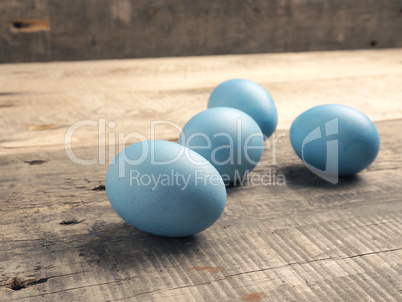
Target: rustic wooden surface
{"x":307,"y":240}
{"x":44,"y":30}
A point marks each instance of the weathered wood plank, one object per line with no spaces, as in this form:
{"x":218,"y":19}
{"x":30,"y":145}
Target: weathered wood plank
{"x":39,"y":102}
{"x":103,"y":29}
{"x":306,"y":240}
{"x":302,"y":241}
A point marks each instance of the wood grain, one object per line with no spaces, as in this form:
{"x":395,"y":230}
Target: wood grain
{"x":39,"y":102}
{"x":103,"y":29}
{"x":299,"y":240}
{"x":303,"y":241}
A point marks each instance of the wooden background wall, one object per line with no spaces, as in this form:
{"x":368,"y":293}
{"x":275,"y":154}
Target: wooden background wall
{"x":55,"y":30}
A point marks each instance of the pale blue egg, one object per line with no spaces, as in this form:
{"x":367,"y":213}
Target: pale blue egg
{"x":165,"y":189}
{"x":229,"y":138}
{"x":250,"y":98}
{"x":334,"y":138}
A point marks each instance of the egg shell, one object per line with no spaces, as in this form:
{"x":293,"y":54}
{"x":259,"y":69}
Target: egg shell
{"x":229,"y":138}
{"x":354,"y":133}
{"x":168,"y":207}
{"x":250,"y":98}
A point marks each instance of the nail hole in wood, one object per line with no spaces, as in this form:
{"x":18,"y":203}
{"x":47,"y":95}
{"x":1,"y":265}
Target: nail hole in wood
{"x":29,"y":25}
{"x":72,"y":221}
{"x":19,"y":283}
{"x":99,"y":188}
{"x":373,"y":43}
{"x":35,"y":162}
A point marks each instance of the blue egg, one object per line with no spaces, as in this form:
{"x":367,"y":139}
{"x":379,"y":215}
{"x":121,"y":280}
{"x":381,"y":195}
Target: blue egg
{"x":165,"y":189}
{"x":250,"y":98}
{"x":335,"y":140}
{"x":229,"y":138}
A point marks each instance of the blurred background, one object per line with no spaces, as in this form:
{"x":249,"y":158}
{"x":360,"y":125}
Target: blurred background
{"x":64,"y":30}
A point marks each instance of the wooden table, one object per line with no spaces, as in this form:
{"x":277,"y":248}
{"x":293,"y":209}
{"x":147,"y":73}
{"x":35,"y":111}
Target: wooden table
{"x":307,"y":240}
